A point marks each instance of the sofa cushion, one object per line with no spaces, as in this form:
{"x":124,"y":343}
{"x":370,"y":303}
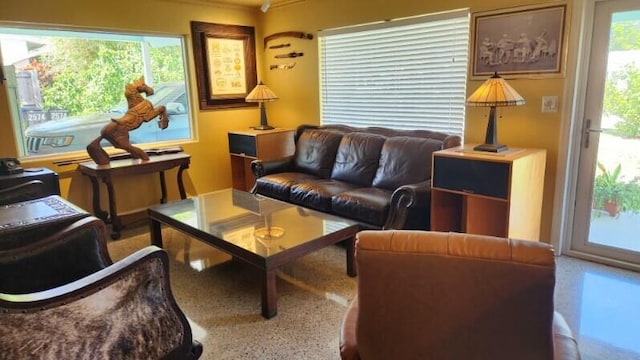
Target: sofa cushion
{"x":316,"y":194}
{"x":357,"y":158}
{"x":405,"y":160}
{"x":278,"y":185}
{"x":316,"y":152}
{"x":369,"y":205}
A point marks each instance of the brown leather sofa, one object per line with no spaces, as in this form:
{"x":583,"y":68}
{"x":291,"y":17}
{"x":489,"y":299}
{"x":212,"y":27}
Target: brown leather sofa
{"x":434,"y":295}
{"x":377,"y":176}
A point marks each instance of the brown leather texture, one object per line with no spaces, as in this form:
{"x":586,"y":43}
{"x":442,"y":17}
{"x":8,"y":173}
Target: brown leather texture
{"x":358,"y":157}
{"x":431,"y":295}
{"x":405,"y":160}
{"x":316,"y":152}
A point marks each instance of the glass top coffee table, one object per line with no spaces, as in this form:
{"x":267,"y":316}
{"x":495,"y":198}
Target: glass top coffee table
{"x":263,"y":232}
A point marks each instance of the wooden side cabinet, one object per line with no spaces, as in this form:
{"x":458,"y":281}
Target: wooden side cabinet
{"x":497,"y":194}
{"x":248,"y":145}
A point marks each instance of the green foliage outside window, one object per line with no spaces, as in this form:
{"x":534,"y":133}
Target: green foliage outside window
{"x":88,"y":76}
{"x":622,"y":98}
{"x":609,"y":187}
{"x":622,"y":90}
{"x":624,"y":36}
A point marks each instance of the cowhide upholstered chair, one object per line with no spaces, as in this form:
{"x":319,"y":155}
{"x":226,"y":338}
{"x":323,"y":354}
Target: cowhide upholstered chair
{"x":433,"y":295}
{"x":62,"y":297}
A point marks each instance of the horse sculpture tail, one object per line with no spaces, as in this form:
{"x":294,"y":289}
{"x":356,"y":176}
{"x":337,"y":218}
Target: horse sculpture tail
{"x":97,"y":153}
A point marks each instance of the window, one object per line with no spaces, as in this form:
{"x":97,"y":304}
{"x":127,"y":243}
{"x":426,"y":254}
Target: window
{"x":406,"y":74}
{"x":64,"y":86}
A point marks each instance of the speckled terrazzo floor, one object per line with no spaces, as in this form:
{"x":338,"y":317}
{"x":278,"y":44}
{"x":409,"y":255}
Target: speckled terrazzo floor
{"x":222,"y":301}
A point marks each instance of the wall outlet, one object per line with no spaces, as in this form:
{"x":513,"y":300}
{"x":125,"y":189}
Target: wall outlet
{"x":549,"y":104}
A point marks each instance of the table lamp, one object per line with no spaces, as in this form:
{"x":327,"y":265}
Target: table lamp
{"x":493,"y":93}
{"x":261,"y":94}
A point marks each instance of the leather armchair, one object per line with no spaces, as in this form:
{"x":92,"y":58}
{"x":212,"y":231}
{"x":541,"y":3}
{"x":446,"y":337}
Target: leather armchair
{"x":62,"y":297}
{"x":430,"y":295}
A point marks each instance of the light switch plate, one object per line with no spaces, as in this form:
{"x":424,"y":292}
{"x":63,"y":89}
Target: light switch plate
{"x":549,"y":104}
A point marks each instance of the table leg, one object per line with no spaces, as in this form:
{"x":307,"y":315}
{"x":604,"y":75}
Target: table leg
{"x":351,"y":264}
{"x":163,"y":188}
{"x":156,"y":233}
{"x":97,"y":209}
{"x":183,"y":194}
{"x":116,"y":224}
{"x":269,"y":294}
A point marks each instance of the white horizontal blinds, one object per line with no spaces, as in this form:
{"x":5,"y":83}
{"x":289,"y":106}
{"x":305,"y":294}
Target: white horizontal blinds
{"x":404,"y":74}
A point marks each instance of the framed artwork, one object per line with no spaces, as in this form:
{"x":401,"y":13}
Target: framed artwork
{"x":521,"y":42}
{"x":225,"y":59}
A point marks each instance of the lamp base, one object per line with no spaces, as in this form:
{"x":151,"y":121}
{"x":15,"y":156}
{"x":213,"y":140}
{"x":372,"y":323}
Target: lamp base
{"x":496,"y":148}
{"x":263,"y":127}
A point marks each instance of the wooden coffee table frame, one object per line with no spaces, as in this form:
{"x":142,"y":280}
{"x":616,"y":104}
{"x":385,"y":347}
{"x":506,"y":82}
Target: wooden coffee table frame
{"x":267,"y":266}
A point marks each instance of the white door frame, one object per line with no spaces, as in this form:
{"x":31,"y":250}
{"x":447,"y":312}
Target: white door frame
{"x":571,"y":132}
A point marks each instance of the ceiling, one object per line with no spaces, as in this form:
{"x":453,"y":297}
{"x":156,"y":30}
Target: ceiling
{"x":251,"y":3}
{"x":245,"y":3}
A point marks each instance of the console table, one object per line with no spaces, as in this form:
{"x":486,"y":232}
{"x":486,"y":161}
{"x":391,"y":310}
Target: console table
{"x":124,"y":167}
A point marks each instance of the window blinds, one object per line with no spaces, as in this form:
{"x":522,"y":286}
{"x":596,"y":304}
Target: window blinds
{"x":403,"y":74}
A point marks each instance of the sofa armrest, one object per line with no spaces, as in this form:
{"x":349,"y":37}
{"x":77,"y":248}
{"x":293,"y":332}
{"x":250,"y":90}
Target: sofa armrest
{"x":406,"y":199}
{"x":130,"y":301}
{"x":261,"y":168}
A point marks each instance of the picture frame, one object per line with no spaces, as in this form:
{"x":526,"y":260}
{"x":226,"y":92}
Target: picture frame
{"x":225,"y":60}
{"x":523,"y":42}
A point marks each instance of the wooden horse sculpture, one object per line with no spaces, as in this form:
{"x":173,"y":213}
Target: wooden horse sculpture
{"x":117,"y":131}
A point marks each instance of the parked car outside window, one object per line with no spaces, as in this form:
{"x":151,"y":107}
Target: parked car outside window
{"x":76,"y":132}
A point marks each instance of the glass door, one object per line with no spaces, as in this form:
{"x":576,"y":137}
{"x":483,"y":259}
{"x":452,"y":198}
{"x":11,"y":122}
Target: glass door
{"x":607,"y":218}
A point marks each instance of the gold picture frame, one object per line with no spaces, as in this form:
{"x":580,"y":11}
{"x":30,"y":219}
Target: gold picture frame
{"x":225,"y":59}
{"x":523,"y":42}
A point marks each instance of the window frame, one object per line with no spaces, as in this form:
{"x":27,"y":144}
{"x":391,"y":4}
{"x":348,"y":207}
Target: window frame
{"x":44,"y":30}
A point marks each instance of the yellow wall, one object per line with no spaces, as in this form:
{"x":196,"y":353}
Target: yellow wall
{"x":524,"y":126}
{"x":298,"y":89}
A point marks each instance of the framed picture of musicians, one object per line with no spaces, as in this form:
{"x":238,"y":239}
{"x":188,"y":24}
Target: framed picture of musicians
{"x":520,"y":42}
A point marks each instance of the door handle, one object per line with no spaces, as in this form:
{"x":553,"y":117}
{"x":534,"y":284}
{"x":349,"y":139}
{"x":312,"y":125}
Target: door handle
{"x":588,"y":130}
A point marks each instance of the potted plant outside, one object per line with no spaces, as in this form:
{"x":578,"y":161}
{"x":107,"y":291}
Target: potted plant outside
{"x":613,"y":195}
